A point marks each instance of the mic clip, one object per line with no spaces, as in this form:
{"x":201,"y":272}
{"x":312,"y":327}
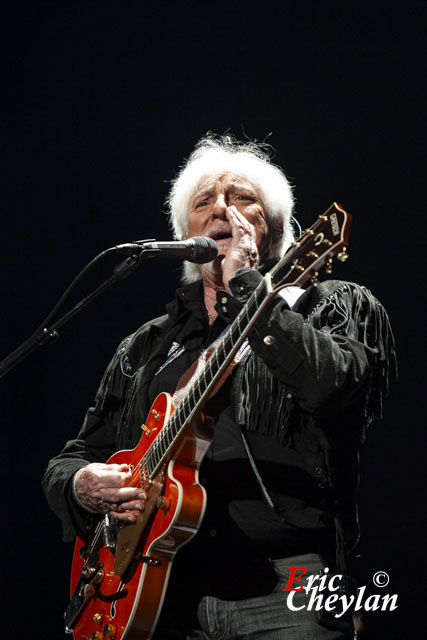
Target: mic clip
{"x":135,"y":248}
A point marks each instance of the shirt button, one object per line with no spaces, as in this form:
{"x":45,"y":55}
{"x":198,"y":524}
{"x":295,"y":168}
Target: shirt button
{"x":268,"y":340}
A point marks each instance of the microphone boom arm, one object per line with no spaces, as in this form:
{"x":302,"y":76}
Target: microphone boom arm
{"x":48,"y":334}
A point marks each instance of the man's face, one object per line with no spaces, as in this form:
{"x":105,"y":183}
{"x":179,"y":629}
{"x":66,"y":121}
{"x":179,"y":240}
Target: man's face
{"x":208,"y":211}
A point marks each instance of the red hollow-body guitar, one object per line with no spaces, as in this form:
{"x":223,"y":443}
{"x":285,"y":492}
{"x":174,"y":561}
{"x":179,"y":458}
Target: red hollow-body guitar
{"x":119,"y":579}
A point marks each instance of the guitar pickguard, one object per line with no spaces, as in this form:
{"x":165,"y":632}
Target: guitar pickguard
{"x":130,"y":534}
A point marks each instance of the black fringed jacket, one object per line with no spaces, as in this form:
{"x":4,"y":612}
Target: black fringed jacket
{"x":314,"y":385}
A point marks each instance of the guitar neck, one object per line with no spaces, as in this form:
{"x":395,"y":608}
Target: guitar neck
{"x":315,"y":247}
{"x":208,"y":379}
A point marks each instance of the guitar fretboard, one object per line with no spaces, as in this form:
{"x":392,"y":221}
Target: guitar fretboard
{"x":202,"y":386}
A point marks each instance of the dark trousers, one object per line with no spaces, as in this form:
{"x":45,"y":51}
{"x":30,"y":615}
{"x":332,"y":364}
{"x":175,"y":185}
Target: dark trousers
{"x":268,"y":617}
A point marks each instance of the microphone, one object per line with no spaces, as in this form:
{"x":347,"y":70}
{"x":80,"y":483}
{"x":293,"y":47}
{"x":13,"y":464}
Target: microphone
{"x":198,"y":249}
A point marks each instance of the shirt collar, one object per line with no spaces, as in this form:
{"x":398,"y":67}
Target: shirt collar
{"x":188,"y":298}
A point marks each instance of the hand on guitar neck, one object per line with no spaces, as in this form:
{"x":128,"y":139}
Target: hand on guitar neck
{"x":101,"y":488}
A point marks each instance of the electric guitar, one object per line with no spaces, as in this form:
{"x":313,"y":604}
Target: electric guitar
{"x":119,"y":579}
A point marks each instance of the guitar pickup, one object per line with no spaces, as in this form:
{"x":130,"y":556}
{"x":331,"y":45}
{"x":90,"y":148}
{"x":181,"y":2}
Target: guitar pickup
{"x":110,"y":530}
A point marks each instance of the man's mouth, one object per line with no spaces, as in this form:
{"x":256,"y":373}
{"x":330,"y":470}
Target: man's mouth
{"x":220,"y":236}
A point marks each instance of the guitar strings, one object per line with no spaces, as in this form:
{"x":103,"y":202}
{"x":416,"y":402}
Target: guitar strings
{"x":183,"y":411}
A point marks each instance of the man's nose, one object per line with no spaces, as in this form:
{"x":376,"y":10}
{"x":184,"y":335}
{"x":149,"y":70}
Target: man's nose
{"x":220,"y":207}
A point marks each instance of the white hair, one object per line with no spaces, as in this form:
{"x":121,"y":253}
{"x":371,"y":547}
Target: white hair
{"x":216,"y":155}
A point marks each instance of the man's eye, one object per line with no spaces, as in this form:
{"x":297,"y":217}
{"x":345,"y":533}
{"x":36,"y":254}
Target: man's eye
{"x":242,"y":197}
{"x":203,"y":203}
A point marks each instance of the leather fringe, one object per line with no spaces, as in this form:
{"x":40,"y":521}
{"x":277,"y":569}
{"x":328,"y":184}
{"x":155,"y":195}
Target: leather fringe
{"x":353,"y":311}
{"x":265,"y":405}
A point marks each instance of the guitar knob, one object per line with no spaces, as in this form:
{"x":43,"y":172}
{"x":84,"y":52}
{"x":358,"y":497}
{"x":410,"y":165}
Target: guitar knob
{"x":109,"y":631}
{"x":163,"y":503}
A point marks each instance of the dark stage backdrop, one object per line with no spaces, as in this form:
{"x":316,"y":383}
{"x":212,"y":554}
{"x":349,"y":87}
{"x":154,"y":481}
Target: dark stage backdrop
{"x":101,"y":102}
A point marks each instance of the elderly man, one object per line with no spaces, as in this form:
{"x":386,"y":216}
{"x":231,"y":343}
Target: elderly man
{"x":281,"y":473}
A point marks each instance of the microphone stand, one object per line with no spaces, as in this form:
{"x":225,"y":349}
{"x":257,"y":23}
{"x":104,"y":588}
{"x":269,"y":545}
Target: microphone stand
{"x":48,"y":334}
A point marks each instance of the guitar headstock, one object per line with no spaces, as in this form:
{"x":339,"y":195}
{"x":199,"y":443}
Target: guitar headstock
{"x":317,"y":246}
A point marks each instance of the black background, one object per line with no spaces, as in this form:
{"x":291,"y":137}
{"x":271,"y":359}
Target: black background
{"x":101,"y":101}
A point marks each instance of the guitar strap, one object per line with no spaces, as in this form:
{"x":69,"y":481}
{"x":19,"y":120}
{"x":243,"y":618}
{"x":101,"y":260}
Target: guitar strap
{"x":260,"y":483}
{"x":339,"y":549}
{"x":290,"y":295}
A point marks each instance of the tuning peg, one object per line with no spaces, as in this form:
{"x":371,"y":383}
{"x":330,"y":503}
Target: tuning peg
{"x":343,"y":255}
{"x":328,"y":265}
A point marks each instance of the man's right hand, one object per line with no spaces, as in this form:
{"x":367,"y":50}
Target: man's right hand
{"x":101,"y":488}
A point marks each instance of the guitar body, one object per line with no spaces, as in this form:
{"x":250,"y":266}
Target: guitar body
{"x":120,"y":593}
